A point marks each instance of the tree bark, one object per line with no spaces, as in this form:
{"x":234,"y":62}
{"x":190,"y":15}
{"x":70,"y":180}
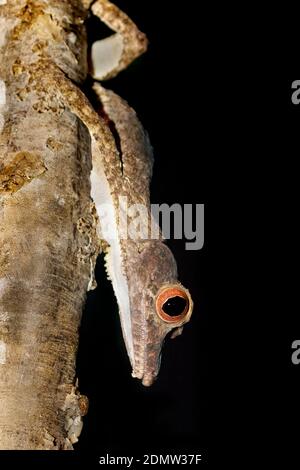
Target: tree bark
{"x":48,"y":242}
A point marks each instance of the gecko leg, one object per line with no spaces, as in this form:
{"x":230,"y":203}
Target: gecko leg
{"x":113,"y":54}
{"x":51,"y":80}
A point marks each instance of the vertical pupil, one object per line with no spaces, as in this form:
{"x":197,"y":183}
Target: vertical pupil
{"x":174,"y":306}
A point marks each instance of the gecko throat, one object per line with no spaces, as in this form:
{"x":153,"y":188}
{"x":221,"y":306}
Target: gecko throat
{"x":103,"y":199}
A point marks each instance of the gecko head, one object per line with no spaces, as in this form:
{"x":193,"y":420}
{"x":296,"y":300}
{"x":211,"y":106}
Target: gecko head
{"x":159,"y":304}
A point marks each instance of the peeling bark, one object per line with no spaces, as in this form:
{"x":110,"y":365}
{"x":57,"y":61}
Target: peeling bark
{"x":48,"y":242}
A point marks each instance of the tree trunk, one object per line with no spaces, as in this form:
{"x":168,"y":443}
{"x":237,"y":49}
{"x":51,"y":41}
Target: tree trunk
{"x":48,"y":242}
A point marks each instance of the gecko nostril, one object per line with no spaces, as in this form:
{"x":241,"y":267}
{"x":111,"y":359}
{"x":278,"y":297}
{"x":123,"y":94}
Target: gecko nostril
{"x":175,"y":306}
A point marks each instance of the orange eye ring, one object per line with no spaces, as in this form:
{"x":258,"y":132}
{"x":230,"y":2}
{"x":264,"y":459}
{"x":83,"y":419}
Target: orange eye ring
{"x":177,"y":299}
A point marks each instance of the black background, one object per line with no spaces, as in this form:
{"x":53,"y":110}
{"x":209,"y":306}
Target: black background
{"x":288,"y":319}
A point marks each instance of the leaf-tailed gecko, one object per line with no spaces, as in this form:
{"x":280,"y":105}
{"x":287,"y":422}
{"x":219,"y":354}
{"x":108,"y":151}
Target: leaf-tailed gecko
{"x":143,"y":271}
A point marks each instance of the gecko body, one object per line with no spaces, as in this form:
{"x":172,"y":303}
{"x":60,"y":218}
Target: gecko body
{"x":49,"y":73}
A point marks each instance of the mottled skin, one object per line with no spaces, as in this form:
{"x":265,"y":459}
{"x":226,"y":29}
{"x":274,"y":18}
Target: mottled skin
{"x":149,"y":264}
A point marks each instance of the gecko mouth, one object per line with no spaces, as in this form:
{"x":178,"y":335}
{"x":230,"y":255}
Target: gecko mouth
{"x":147,"y":378}
{"x":147,"y":370}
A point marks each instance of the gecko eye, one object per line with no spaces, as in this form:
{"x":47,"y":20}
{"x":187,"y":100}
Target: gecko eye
{"x":172,"y":304}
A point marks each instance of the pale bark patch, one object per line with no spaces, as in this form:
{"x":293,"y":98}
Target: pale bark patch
{"x":2,"y":352}
{"x":2,"y":122}
{"x":3,"y":286}
{"x":2,"y":104}
{"x":2,"y":93}
{"x":6,"y":25}
{"x":4,"y":316}
{"x":72,"y":38}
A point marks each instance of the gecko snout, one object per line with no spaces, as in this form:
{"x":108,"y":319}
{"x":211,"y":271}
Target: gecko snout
{"x":147,"y":379}
{"x":171,"y":309}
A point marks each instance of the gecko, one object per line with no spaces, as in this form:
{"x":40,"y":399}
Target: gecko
{"x":152,"y":302}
